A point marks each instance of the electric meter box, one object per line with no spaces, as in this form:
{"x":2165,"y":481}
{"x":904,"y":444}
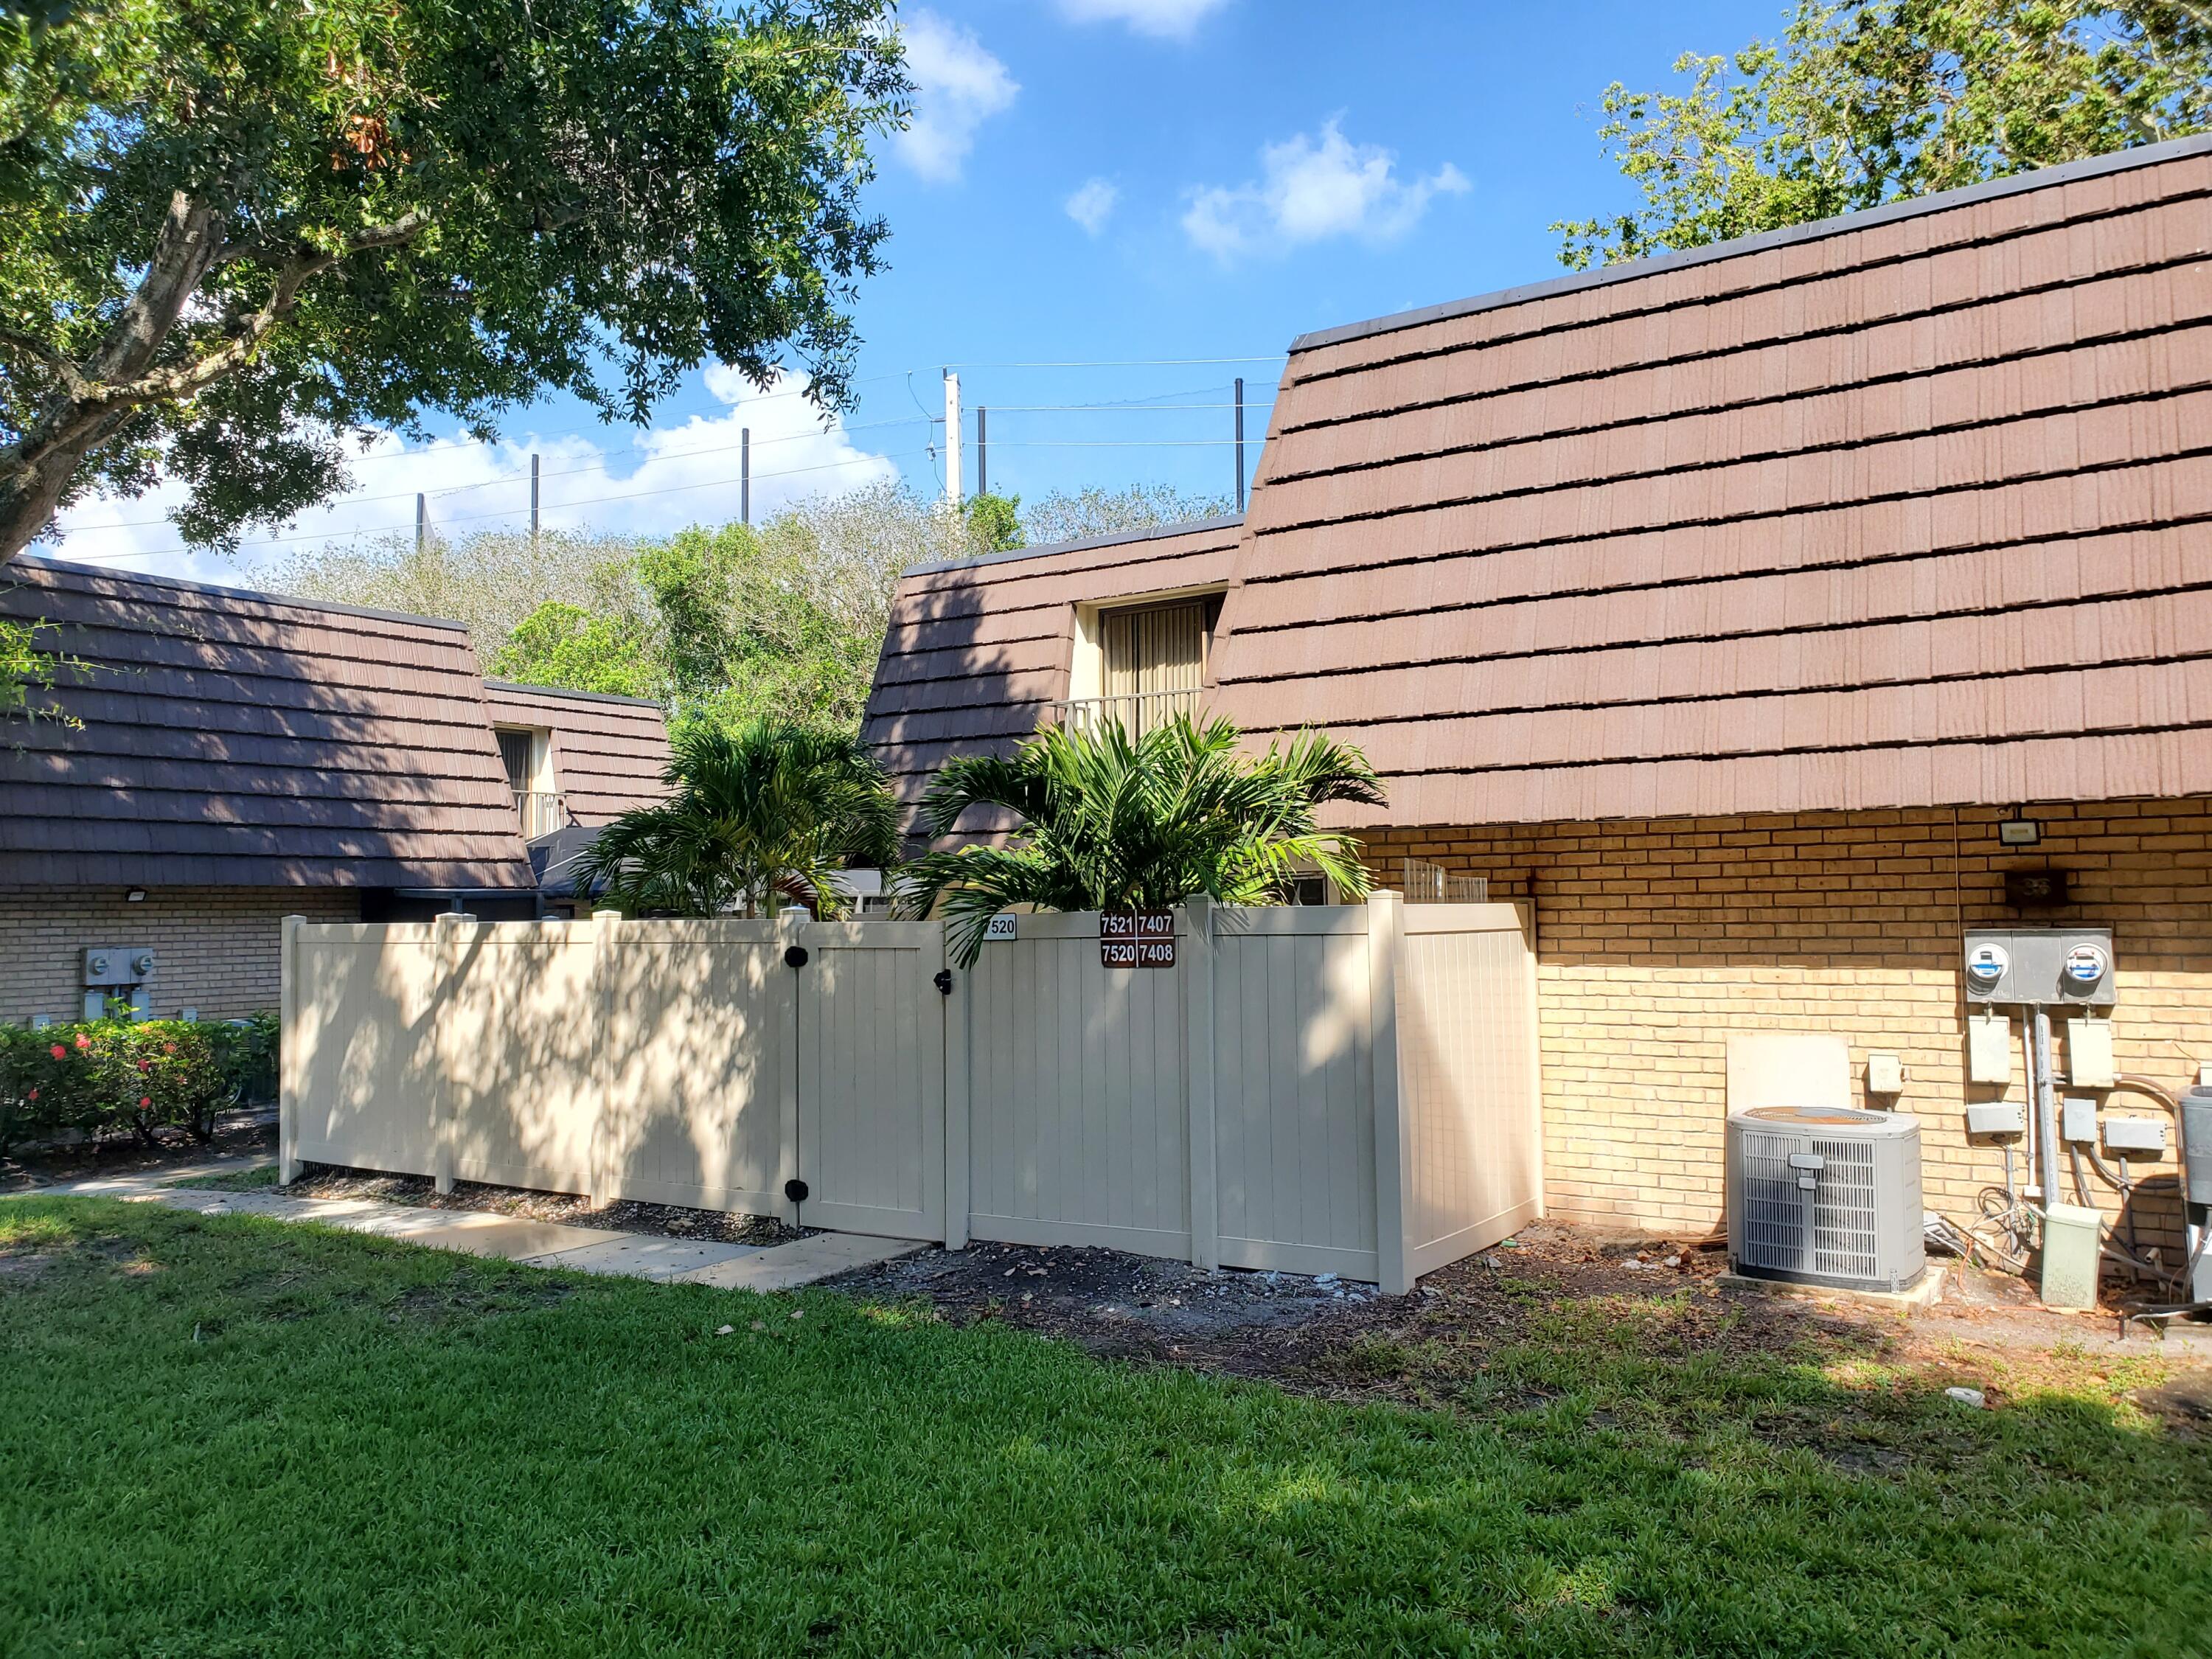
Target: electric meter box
{"x":1989,"y":1048}
{"x":2040,"y":967}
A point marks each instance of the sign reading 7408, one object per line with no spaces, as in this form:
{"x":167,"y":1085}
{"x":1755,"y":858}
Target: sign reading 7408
{"x":1136,"y":938}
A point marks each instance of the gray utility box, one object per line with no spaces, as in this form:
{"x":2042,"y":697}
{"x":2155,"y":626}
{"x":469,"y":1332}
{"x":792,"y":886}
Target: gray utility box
{"x":2040,"y":967}
{"x":1825,"y":1195}
{"x":2196,"y":1140}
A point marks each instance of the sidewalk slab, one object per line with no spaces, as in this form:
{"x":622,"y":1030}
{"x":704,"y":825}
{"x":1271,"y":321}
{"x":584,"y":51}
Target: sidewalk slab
{"x":802,"y":1261}
{"x":476,"y":1232}
{"x":534,"y":1243}
{"x":642,"y":1256}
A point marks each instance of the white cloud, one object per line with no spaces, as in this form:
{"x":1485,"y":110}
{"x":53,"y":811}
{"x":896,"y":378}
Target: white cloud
{"x":1171,"y":20}
{"x":654,"y":483}
{"x":1313,"y":189}
{"x":957,"y":85}
{"x":1093,"y":204}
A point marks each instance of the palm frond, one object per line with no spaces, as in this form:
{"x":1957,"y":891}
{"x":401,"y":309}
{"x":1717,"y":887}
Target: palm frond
{"x":1111,"y":821}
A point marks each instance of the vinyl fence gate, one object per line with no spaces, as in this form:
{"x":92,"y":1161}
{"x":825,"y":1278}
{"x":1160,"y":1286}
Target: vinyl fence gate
{"x":1349,"y":1088}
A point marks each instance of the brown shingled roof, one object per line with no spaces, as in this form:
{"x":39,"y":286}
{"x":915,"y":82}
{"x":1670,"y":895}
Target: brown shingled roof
{"x":977,"y":648}
{"x":608,"y":751}
{"x":235,"y":739}
{"x":1907,"y":509}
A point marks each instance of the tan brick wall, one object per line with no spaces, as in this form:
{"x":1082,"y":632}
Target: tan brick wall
{"x":215,"y":948}
{"x":1655,"y":940}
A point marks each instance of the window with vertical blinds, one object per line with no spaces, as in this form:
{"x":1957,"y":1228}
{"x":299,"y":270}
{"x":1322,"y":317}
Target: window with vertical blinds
{"x":1154,"y":662}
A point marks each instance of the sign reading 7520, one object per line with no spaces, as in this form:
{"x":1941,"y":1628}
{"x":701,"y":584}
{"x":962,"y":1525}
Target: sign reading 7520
{"x":1136,"y":938}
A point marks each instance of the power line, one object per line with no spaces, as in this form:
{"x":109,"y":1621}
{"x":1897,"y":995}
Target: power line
{"x":359,"y":531}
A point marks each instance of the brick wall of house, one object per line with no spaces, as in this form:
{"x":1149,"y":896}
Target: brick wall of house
{"x":1655,"y":940}
{"x":215,"y":948}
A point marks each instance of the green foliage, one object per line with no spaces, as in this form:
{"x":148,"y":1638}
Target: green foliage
{"x":724,"y":626}
{"x":565,"y":645}
{"x":492,"y":580}
{"x":27,"y":671}
{"x":1867,"y":102}
{"x":1111,"y":822}
{"x":231,"y":233}
{"x":1079,"y":515}
{"x":759,"y":815}
{"x":122,"y":1077}
{"x":994,"y":522}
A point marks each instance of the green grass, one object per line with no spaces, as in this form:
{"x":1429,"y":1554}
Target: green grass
{"x":224,"y":1435}
{"x":236,"y":1181}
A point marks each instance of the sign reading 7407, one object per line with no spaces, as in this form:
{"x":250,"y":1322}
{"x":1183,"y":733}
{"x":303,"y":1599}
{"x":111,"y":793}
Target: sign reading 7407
{"x":1136,"y":938}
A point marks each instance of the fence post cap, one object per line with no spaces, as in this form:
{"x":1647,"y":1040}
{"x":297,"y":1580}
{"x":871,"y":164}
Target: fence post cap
{"x":606,"y":916}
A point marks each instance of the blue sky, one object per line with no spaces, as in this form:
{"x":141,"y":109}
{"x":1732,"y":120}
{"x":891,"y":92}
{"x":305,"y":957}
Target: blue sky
{"x":1117,"y":181}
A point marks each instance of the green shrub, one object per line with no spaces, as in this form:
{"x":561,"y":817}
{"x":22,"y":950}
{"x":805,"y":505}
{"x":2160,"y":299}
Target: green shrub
{"x":113,"y":1079}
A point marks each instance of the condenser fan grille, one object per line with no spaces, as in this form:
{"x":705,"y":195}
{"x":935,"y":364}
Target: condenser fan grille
{"x":1773,"y":1205}
{"x":1844,"y":1240}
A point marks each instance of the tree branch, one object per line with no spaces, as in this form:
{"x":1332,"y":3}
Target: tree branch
{"x":72,"y":378}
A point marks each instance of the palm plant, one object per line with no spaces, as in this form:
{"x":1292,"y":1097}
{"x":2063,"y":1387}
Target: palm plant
{"x":767,"y":812}
{"x":1113,"y":821}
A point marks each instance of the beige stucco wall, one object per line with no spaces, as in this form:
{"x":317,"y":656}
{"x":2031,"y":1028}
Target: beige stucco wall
{"x":1655,"y":940}
{"x":215,"y":948}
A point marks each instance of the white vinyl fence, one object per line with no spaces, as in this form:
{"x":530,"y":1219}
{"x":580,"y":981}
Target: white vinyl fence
{"x":1343,"y":1089}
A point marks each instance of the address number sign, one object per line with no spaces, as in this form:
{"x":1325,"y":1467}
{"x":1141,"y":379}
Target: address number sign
{"x":1136,"y":938}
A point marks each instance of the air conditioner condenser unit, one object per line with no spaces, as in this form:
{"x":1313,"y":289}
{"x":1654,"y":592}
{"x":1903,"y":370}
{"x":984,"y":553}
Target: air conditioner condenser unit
{"x":1825,"y":1195}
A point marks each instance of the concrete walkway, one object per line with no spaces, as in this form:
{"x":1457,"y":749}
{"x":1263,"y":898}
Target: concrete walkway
{"x":534,"y":1243}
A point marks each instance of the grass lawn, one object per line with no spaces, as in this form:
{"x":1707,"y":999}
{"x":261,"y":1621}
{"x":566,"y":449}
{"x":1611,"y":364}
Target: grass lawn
{"x":225,"y":1436}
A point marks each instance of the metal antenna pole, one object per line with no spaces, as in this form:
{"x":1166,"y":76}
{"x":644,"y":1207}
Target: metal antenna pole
{"x":951,"y":438}
{"x":1240,"y":443}
{"x":983,"y":450}
{"x":533,"y":502}
{"x":745,"y":475}
{"x":422,"y":520}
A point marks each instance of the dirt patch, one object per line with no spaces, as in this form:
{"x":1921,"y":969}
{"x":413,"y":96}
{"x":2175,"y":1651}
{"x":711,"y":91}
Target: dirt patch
{"x":668,"y":1220}
{"x":237,"y":1134}
{"x":1656,"y":1298}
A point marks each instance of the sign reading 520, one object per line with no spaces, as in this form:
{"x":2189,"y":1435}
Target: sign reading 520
{"x":1136,"y":938}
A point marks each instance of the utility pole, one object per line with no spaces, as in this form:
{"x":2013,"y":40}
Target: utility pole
{"x":951,"y":438}
{"x":983,"y":450}
{"x":422,"y":520}
{"x":744,"y":475}
{"x":533,"y":502}
{"x":1240,"y":443}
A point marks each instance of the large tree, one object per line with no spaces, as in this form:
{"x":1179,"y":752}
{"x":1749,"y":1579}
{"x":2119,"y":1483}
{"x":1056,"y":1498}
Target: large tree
{"x":233,"y":232}
{"x":1867,"y":101}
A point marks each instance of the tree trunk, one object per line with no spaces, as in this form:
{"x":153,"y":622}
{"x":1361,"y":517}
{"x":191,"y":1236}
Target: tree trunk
{"x":36,"y":474}
{"x":28,"y":500}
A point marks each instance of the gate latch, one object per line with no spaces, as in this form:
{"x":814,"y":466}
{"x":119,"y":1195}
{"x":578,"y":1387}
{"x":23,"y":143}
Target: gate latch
{"x":795,"y":1190}
{"x":795,"y":956}
{"x":944,"y":981}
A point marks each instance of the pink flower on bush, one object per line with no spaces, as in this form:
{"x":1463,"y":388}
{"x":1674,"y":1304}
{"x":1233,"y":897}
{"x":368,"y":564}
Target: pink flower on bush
{"x":82,"y":1040}
{"x":145,"y":1100}
{"x":145,"y":1065}
{"x":59,"y":1052}
{"x":168,"y":1048}
{"x":35,"y":1094}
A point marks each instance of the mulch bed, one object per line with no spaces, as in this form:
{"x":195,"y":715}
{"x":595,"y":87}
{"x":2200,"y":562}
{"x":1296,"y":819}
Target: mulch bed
{"x":320,"y":1181}
{"x":237,"y":1133}
{"x":1281,"y":1326}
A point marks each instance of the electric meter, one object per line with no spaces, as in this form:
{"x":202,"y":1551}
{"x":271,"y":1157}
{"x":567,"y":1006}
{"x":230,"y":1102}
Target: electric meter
{"x":2086,"y":965}
{"x":1986,"y":963}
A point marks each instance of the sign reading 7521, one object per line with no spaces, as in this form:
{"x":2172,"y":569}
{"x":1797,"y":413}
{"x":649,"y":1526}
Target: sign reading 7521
{"x":1136,"y":938}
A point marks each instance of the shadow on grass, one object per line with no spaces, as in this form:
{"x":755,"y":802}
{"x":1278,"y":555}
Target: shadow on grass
{"x":227,"y":1434}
